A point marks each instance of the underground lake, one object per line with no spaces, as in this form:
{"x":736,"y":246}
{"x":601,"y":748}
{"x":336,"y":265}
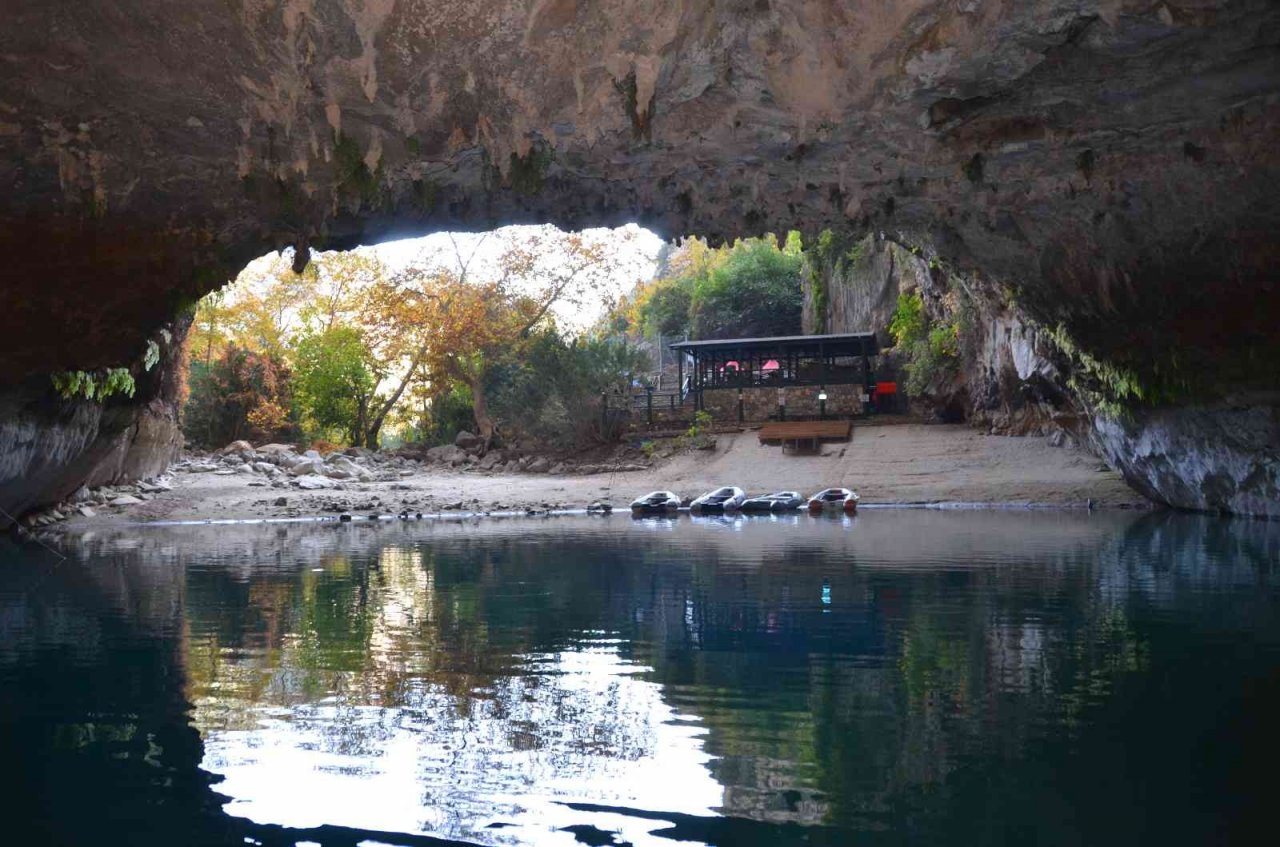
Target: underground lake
{"x":898,"y":677}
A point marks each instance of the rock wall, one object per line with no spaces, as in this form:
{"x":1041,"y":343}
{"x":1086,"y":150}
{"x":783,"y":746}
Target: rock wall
{"x":49,"y":446}
{"x":1219,"y":458}
{"x":761,"y":404}
{"x":1006,"y":375}
{"x":1013,"y":378}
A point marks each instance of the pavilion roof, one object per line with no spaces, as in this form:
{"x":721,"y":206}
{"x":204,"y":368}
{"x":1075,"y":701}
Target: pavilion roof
{"x":844,"y":344}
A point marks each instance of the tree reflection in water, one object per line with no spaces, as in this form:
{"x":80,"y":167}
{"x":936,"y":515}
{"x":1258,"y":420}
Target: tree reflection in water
{"x":930,"y":677}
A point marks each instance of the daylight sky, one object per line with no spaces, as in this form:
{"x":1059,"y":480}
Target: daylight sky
{"x":634,"y":248}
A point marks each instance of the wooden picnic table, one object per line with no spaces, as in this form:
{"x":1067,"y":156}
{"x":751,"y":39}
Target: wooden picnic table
{"x":794,"y":433}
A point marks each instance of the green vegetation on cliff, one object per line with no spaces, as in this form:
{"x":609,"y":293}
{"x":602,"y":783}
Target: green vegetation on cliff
{"x":932,"y":347}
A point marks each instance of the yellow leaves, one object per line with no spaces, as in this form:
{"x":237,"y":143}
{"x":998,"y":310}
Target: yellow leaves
{"x":268,"y":416}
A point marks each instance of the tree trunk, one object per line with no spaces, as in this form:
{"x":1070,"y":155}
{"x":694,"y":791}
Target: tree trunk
{"x":480,"y":406}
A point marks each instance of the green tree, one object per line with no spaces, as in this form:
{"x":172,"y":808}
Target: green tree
{"x":334,"y":382}
{"x":755,"y":291}
{"x":552,"y":392}
{"x":667,"y":310}
{"x":750,"y":288}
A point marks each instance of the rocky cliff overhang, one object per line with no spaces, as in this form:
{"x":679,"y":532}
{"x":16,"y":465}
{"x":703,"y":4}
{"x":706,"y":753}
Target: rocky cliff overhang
{"x":1113,"y":162}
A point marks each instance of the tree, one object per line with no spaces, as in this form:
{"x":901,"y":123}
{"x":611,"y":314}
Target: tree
{"x":755,"y":291}
{"x":240,"y":394}
{"x":458,"y":321}
{"x":750,"y":288}
{"x":334,"y":382}
{"x":551,"y":392}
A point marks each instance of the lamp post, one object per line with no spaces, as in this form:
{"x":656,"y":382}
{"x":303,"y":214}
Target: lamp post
{"x":822,"y":403}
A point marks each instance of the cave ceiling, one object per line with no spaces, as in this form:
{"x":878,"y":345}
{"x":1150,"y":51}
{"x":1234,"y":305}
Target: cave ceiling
{"x":1112,"y":163}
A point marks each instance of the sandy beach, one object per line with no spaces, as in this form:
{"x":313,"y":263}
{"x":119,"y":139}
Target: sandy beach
{"x":885,"y":464}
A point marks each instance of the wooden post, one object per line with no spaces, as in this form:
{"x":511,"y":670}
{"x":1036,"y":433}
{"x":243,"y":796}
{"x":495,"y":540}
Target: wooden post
{"x":649,"y":404}
{"x":741,"y":418}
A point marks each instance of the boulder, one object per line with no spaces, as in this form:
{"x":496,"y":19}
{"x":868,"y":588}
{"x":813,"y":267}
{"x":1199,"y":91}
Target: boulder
{"x":467,"y":441}
{"x":448,"y":454}
{"x":125,"y":500}
{"x":539,"y":465}
{"x":285,"y":459}
{"x":307,"y":467}
{"x":341,"y":467}
{"x":265,"y":467}
{"x":237,"y":447}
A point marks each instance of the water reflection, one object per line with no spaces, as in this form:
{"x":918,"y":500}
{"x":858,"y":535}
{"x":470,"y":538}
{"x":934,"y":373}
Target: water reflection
{"x":906,"y":676}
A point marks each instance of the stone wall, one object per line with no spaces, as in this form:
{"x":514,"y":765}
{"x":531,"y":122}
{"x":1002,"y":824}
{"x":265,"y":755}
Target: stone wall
{"x":761,"y":404}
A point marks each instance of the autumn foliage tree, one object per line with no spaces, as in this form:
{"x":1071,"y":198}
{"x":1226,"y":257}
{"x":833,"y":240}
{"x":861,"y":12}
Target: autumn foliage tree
{"x":241,"y":394}
{"x":363,"y":343}
{"x":458,"y":321}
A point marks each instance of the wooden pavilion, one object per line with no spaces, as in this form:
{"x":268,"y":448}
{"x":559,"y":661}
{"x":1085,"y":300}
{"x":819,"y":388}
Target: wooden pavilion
{"x":761,"y":374}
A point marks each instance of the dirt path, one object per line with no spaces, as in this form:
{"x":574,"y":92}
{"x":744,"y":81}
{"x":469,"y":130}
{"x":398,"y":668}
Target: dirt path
{"x":906,"y":463}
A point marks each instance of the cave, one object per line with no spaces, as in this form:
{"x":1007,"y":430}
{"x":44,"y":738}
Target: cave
{"x":1105,"y":171}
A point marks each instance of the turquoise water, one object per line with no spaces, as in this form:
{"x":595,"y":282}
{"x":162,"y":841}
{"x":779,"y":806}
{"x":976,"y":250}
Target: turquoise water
{"x":903,"y":677}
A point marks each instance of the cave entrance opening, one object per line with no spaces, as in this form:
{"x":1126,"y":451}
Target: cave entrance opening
{"x":411,"y":341}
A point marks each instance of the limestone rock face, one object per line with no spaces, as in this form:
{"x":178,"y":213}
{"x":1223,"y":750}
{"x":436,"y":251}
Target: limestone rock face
{"x":50,"y":447}
{"x":1113,"y":159}
{"x":1223,"y":458}
{"x":1012,"y":378}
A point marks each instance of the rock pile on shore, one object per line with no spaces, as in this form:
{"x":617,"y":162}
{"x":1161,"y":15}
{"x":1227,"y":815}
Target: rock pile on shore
{"x":466,"y":453}
{"x":281,"y":466}
{"x":88,"y":502}
{"x":349,"y":475}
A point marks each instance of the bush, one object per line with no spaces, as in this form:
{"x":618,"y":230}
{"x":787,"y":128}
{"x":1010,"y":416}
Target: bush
{"x":553,"y":394}
{"x":702,"y":421}
{"x":909,"y":322}
{"x":450,"y":411}
{"x":932,"y":350}
{"x":239,"y":395}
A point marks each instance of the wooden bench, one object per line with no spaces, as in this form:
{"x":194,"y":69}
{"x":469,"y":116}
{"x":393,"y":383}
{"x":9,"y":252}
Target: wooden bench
{"x":794,"y":433}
